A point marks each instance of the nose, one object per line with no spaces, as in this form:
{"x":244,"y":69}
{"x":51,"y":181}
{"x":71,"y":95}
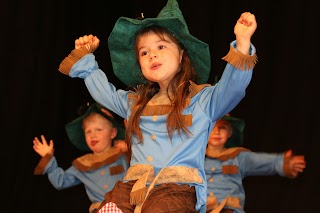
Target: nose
{"x":216,"y":130}
{"x":93,"y":134}
{"x":153,"y":56}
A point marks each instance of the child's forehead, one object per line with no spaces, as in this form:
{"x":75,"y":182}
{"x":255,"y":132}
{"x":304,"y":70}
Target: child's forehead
{"x":152,"y":37}
{"x":93,"y":116}
{"x":223,"y":122}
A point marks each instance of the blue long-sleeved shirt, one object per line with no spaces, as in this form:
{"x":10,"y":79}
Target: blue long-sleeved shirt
{"x":97,"y":181}
{"x":206,"y":106}
{"x":225,"y":174}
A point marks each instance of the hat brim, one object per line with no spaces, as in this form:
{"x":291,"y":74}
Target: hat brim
{"x":123,"y":55}
{"x":76,"y":134}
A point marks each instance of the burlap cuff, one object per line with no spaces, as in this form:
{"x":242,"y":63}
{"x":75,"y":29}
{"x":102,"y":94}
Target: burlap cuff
{"x":42,"y":164}
{"x":240,"y":60}
{"x":71,"y":59}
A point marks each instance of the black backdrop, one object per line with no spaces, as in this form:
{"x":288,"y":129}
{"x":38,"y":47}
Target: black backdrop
{"x":279,"y":108}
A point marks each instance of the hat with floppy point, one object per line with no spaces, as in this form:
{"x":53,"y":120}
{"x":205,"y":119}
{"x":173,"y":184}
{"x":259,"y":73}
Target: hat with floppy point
{"x":122,"y":49}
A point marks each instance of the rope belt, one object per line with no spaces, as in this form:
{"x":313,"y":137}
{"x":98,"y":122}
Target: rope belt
{"x":144,"y":173}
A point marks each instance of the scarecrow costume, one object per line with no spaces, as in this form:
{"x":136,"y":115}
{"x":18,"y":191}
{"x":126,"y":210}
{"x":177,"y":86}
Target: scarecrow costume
{"x":161,"y":170}
{"x":226,"y":169}
{"x":98,"y":173}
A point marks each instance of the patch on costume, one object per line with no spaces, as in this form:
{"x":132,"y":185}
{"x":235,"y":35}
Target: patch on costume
{"x":229,"y":169}
{"x":116,"y":170}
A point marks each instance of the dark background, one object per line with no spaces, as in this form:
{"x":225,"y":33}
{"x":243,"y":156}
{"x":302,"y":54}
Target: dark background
{"x":279,"y":108}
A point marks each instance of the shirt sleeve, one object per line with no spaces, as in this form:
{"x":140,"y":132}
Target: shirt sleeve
{"x":261,"y":164}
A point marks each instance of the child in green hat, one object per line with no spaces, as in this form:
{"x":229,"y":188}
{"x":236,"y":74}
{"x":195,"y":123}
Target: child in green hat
{"x":227,"y":164}
{"x":170,"y":111}
{"x":99,"y":170}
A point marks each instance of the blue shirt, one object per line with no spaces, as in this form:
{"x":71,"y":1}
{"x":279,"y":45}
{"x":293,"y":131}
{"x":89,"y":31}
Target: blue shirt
{"x":223,"y":183}
{"x":97,"y":182}
{"x":208,"y":105}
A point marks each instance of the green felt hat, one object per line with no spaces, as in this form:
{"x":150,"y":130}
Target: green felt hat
{"x":75,"y":132}
{"x":122,"y":50}
{"x":237,"y":131}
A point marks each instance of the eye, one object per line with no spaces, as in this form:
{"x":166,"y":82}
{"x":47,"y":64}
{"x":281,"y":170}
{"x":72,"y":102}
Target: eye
{"x":143,"y":53}
{"x":161,"y":47}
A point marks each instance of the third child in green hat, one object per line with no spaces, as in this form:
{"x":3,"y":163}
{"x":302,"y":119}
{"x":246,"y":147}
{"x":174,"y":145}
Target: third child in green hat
{"x":227,"y":164}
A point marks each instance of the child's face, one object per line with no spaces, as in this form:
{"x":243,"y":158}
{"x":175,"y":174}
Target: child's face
{"x":98,"y":132}
{"x":220,"y":134}
{"x":159,"y":59}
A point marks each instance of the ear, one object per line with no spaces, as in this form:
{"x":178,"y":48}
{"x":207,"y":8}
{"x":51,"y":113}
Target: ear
{"x":114,"y":132}
{"x":230,"y":133}
{"x":181,"y":54}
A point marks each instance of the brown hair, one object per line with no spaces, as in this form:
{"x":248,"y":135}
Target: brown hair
{"x":179,"y":86}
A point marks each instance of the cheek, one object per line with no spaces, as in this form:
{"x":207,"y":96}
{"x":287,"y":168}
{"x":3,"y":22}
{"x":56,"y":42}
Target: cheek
{"x":142,"y":61}
{"x":143,"y":65}
{"x":87,"y":139}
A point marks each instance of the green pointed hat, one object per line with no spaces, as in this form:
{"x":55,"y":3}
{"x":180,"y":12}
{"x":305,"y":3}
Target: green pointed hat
{"x":122,"y":50}
{"x":237,"y":131}
{"x":76,"y":134}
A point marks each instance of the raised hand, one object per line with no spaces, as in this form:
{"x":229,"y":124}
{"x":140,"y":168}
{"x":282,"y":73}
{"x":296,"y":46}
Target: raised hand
{"x":89,"y":41}
{"x":42,"y":148}
{"x":121,"y":144}
{"x":244,"y":29}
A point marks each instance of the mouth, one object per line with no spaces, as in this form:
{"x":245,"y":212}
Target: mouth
{"x":93,"y":143}
{"x":216,"y":138}
{"x":155,"y":66}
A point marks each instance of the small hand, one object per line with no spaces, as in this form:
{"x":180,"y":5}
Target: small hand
{"x":297,"y":163}
{"x":42,"y":148}
{"x":106,"y":112}
{"x":121,"y":144}
{"x":246,"y":25}
{"x":244,"y":29}
{"x":89,"y":41}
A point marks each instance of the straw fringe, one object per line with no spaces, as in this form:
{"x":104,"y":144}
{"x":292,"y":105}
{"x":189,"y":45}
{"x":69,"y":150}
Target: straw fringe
{"x":137,"y":197}
{"x":240,"y":60}
{"x":138,"y":191}
{"x":71,"y":59}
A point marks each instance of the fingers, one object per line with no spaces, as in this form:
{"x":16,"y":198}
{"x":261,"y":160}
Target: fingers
{"x":89,"y":41}
{"x":299,"y":163}
{"x":247,"y":19}
{"x":36,"y":141}
{"x":84,"y":40}
{"x":106,"y":112}
{"x":51,"y":144}
{"x":44,"y":141}
{"x":299,"y":160}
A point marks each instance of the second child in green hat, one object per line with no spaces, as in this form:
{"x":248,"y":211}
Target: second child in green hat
{"x":227,"y":164}
{"x":98,"y":133}
{"x":171,"y":110}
